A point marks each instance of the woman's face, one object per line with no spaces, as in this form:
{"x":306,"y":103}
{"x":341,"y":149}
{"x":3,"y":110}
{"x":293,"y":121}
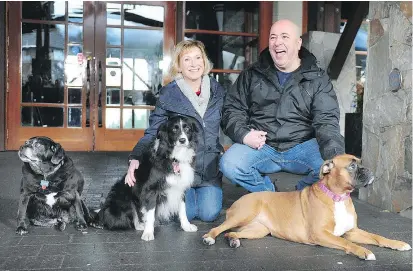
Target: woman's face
{"x":191,"y":64}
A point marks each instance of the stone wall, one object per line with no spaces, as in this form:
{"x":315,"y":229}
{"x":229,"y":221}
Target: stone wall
{"x":323,"y":45}
{"x":291,"y":10}
{"x":387,"y":115}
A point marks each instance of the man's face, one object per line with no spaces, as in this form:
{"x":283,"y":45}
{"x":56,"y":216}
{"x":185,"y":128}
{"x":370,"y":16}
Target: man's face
{"x":284,"y":44}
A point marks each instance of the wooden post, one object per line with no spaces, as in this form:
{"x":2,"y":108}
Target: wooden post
{"x":265,"y":24}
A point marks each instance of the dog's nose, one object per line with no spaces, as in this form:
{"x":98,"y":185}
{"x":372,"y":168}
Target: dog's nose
{"x":182,"y":140}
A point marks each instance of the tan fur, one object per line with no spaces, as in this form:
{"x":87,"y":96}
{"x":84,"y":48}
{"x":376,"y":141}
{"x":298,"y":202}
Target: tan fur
{"x":305,"y":216}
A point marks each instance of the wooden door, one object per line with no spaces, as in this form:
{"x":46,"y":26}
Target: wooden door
{"x":79,"y":73}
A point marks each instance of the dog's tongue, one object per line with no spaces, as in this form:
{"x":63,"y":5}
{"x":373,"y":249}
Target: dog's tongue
{"x":175,"y":165}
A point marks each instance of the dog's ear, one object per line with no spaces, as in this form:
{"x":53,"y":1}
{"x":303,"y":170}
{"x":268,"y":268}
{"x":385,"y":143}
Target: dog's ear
{"x":162,"y":134}
{"x":326,"y":168}
{"x":162,"y":137}
{"x":194,"y":126}
{"x":58,"y":154}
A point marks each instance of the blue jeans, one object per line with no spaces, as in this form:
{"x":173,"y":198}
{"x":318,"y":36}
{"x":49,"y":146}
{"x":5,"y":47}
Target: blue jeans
{"x":248,"y":167}
{"x":204,"y":203}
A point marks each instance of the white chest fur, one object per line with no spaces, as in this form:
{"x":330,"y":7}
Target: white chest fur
{"x":178,"y":183}
{"x":344,"y":221}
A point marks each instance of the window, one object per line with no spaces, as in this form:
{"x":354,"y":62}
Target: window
{"x":231,"y":34}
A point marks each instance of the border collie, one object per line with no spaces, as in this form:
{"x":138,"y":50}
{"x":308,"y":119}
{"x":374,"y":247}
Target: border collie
{"x":164,"y":174}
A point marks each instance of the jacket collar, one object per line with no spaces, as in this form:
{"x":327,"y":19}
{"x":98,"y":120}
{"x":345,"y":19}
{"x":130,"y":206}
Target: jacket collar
{"x":308,"y":69}
{"x":172,"y":96}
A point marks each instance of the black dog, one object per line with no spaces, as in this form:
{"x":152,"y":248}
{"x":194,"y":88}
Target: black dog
{"x":164,"y":174}
{"x":50,"y":188}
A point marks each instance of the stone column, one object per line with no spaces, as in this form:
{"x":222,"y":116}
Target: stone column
{"x":387,"y":115}
{"x":322,"y":45}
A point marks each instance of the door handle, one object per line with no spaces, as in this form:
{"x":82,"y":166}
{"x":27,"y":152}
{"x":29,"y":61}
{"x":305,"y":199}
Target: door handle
{"x":88,"y":91}
{"x":100,"y":94}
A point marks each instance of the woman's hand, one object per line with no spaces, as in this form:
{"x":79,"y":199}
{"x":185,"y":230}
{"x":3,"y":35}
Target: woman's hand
{"x":130,"y":176}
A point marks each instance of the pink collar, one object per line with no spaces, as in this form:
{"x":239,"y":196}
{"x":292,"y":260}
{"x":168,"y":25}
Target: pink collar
{"x":332,"y":195}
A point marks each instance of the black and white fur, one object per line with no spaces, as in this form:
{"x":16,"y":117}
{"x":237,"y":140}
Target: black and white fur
{"x":159,"y":189}
{"x":59,"y":202}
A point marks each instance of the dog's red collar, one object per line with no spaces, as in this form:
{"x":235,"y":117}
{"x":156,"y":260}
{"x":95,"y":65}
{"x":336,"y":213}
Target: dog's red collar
{"x":333,"y":196}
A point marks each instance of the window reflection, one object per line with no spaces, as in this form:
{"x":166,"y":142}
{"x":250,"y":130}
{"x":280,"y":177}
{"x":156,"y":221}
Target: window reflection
{"x":228,"y":52}
{"x":136,"y":118}
{"x":74,"y":117}
{"x":226,"y":79}
{"x":113,"y":14}
{"x":42,"y":116}
{"x":75,"y":12}
{"x":141,"y":15}
{"x":112,"y":118}
{"x":142,"y":66}
{"x":43,"y":63}
{"x":44,"y":10}
{"x":222,"y":16}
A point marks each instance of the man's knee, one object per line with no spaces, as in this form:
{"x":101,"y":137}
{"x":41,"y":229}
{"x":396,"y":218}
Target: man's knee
{"x":227,"y":165}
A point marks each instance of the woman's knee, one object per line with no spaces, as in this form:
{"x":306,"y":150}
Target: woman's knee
{"x":209,"y":214}
{"x":209,"y":203}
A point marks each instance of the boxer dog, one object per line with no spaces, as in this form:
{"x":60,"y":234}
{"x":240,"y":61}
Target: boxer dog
{"x":322,"y":214}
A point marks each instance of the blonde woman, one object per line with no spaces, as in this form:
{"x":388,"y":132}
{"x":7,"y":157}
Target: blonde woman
{"x":194,"y":94}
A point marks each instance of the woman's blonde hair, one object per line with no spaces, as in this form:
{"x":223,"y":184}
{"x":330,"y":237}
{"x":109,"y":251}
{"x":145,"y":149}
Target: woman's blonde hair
{"x":179,"y":50}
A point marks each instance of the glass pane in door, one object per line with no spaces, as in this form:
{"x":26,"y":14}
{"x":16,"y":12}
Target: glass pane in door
{"x":42,"y":52}
{"x":133,"y":64}
{"x":228,"y":52}
{"x":142,"y":75}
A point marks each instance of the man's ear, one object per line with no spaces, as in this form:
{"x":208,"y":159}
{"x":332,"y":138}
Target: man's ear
{"x":300,"y":42}
{"x":326,"y":168}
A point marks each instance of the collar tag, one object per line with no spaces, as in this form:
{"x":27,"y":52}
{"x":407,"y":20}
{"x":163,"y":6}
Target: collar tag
{"x":44,"y":184}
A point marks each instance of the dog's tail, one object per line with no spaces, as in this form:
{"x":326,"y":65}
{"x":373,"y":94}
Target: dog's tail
{"x":92,"y":217}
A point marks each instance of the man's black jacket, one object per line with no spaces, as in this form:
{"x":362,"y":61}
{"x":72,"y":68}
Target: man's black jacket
{"x":305,"y":107}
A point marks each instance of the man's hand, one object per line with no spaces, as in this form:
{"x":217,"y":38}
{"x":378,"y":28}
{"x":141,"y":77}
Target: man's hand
{"x":255,"y":139}
{"x":130,"y":177}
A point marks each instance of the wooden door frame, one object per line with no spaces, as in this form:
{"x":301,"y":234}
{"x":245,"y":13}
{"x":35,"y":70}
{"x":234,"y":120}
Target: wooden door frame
{"x":3,"y":76}
{"x":126,"y":139}
{"x":17,"y":134}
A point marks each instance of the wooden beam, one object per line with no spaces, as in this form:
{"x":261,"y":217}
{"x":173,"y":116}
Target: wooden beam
{"x":332,"y":17}
{"x":180,"y":21}
{"x":265,"y":24}
{"x":305,"y":17}
{"x":347,"y":39}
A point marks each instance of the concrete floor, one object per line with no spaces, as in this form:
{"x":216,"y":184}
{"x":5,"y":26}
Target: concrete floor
{"x":173,"y":249}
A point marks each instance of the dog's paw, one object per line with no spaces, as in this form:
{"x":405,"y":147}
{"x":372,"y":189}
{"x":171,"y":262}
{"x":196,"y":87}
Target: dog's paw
{"x":60,"y":225}
{"x":139,"y":226}
{"x":234,"y":243}
{"x":81,"y":226}
{"x":189,"y":227}
{"x":21,"y":230}
{"x":50,"y":199}
{"x":207,"y":240}
{"x":96,"y":225}
{"x":370,"y":257}
{"x":147,"y":236}
{"x":405,"y":247}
